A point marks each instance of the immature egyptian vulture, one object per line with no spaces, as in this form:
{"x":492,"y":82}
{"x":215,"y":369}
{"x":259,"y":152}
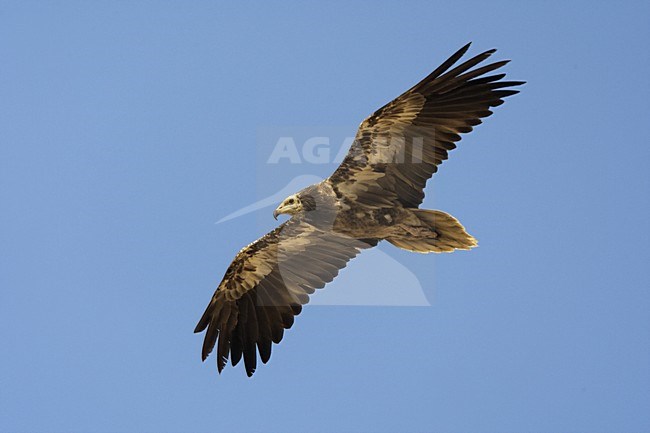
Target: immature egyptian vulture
{"x":372,"y":196}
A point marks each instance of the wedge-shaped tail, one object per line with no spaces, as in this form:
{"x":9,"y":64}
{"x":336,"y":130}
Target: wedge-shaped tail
{"x":436,"y":232}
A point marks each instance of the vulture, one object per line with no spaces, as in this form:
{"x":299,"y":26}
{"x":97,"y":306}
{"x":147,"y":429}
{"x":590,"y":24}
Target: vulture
{"x":374,"y":195}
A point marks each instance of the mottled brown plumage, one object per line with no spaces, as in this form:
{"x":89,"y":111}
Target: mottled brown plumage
{"x":372,"y":196}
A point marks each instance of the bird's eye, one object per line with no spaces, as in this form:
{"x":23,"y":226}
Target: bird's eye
{"x":290,"y":201}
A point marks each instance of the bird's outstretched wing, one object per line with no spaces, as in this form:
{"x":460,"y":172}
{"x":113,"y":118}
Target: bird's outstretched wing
{"x":265,"y":287}
{"x":399,"y":147}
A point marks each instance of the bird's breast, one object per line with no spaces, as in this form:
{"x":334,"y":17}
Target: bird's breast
{"x":362,"y":222}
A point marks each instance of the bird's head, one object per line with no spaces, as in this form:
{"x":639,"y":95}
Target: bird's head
{"x":290,"y":205}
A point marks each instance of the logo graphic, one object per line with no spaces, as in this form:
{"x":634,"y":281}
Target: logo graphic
{"x":375,"y":278}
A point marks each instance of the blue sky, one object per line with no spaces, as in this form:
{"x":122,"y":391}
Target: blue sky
{"x":127,"y":129}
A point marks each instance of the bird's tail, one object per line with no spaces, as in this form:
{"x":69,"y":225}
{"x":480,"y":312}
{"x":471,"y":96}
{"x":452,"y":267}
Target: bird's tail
{"x":433,"y":231}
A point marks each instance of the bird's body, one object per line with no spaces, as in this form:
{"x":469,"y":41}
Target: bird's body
{"x":373,"y":195}
{"x":328,"y":212}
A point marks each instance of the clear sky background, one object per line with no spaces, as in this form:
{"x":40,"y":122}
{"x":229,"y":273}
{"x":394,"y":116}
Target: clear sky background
{"x":127,"y":129}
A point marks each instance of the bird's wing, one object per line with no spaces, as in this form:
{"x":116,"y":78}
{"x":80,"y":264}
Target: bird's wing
{"x":399,"y":147}
{"x":265,"y":287}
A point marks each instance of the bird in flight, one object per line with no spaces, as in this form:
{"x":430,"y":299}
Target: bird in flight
{"x":373,"y":195}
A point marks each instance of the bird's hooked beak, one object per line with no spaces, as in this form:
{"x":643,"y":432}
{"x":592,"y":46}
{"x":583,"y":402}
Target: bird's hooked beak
{"x":289,"y":205}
